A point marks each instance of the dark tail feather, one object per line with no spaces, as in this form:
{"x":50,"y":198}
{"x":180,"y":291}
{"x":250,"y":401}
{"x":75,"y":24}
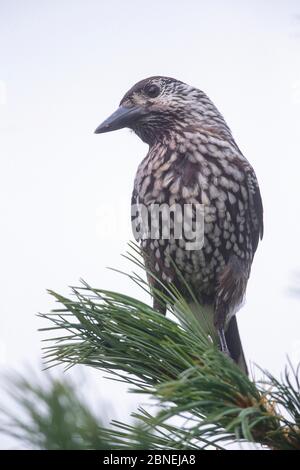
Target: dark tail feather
{"x":234,"y":345}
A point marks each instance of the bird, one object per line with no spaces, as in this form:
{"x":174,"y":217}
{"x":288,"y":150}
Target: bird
{"x":193,"y":160}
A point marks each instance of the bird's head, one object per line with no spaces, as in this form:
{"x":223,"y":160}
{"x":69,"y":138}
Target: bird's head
{"x":156,"y":106}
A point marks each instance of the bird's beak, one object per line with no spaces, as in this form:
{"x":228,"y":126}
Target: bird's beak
{"x":122,"y":117}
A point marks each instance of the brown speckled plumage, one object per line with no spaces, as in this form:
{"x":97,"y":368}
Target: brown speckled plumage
{"x":194,"y":159}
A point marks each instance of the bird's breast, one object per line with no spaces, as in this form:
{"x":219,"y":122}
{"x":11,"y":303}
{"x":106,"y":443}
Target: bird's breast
{"x":204,"y":175}
{"x":190,"y":174}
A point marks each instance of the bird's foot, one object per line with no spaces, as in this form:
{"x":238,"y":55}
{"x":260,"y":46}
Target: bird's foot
{"x":223,"y":343}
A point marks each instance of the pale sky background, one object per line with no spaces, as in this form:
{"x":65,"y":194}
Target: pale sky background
{"x":65,"y":192}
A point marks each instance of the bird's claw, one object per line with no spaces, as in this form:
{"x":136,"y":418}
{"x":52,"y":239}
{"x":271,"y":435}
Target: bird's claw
{"x":223,"y":343}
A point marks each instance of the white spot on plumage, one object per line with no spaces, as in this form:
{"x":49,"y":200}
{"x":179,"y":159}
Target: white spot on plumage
{"x":203,"y":181}
{"x":204,"y":198}
{"x":213,"y":192}
{"x":231,"y":197}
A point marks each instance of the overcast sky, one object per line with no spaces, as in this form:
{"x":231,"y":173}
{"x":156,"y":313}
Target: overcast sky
{"x":65,"y":192}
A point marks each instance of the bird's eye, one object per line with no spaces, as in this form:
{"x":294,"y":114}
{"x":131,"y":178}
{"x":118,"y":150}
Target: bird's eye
{"x":152,"y":91}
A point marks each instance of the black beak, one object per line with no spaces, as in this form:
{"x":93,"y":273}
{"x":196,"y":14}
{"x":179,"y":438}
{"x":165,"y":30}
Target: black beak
{"x":123,"y":117}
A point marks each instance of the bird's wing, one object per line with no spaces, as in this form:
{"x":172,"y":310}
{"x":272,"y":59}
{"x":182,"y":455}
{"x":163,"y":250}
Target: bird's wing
{"x":255,"y":209}
{"x":254,"y":202}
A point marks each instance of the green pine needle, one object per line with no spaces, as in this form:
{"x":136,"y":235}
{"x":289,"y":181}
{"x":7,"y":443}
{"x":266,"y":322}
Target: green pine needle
{"x":205,"y":400}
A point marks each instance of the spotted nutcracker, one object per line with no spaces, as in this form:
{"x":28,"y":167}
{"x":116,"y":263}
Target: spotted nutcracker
{"x":193,"y":159}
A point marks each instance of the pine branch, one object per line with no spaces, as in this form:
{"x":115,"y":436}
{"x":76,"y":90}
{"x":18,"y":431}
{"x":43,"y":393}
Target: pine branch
{"x":178,"y":364}
{"x":50,"y":416}
{"x":205,"y":400}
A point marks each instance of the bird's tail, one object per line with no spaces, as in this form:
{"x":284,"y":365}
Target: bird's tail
{"x":234,"y":344}
{"x":205,"y":316}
